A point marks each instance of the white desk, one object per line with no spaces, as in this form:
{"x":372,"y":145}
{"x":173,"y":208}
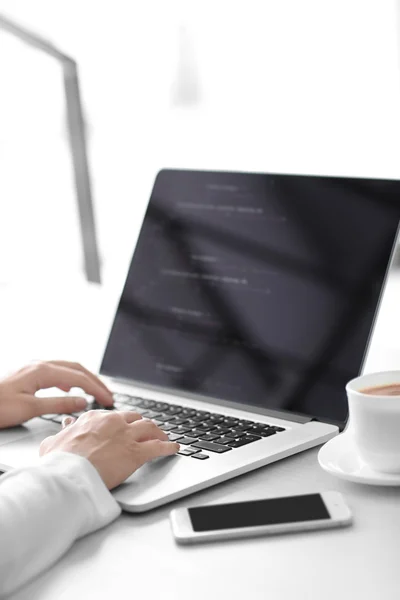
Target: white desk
{"x":136,"y":557}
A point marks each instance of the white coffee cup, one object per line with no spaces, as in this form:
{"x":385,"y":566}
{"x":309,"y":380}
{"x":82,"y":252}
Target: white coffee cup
{"x":374,"y":421}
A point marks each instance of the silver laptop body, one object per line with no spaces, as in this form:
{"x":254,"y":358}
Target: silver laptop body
{"x":248,"y":304}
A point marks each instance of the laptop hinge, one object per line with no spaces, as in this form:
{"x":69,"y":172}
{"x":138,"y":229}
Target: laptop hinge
{"x":268,"y":412}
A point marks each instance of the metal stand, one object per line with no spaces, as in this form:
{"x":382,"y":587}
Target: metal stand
{"x":77,"y":141}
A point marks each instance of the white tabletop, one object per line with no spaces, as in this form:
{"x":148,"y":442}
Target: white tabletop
{"x":136,"y":556}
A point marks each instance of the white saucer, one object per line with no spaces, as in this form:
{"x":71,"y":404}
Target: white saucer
{"x":339,"y":457}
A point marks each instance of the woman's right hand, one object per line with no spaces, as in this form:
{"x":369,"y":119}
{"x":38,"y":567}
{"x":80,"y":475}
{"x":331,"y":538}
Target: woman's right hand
{"x":116,"y":444}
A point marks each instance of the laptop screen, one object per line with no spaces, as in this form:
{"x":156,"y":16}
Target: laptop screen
{"x":259,"y":289}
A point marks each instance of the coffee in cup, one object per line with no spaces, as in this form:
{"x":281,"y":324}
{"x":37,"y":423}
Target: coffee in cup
{"x":374,"y":419}
{"x":390,"y":389}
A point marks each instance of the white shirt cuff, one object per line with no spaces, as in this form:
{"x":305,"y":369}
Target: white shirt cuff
{"x":102,"y":508}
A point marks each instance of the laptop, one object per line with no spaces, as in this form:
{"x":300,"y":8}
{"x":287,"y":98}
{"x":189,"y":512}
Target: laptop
{"x":248,"y":305}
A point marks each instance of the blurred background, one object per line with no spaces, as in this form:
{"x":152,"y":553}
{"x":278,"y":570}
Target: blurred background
{"x":268,"y":85}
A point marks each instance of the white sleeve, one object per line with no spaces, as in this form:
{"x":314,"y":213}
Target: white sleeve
{"x":43,"y":510}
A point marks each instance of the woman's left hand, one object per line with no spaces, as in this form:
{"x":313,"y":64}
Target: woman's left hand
{"x":18,"y":400}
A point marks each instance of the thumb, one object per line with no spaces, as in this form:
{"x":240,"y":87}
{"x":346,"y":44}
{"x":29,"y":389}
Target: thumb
{"x":59,"y":405}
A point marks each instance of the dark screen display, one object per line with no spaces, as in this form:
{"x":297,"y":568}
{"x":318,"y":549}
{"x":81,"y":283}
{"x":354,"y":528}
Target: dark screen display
{"x":275,"y":511}
{"x":259,"y":289}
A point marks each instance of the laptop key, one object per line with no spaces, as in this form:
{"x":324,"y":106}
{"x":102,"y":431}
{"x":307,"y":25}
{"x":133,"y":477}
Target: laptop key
{"x":209,"y":437}
{"x":137,"y":401}
{"x":202,"y":414}
{"x":252,"y":438}
{"x":211,"y":424}
{"x":236,"y":433}
{"x":204,"y":427}
{"x":174,"y":437}
{"x":150,"y":414}
{"x":258,"y":427}
{"x":186,"y":440}
{"x":277,"y":428}
{"x":173,"y":409}
{"x":163,"y":418}
{"x":197,"y":418}
{"x":221,"y":430}
{"x":137,"y":409}
{"x":242,"y":428}
{"x":215,"y":419}
{"x":181,"y":429}
{"x":160,"y":406}
{"x":179,"y":421}
{"x":147,"y":403}
{"x":131,"y":401}
{"x":239,"y":443}
{"x":212,"y":446}
{"x":121,"y":398}
{"x":200,"y":456}
{"x":228,"y":422}
{"x":248,"y":439}
{"x":117,"y":404}
{"x":128,"y":408}
{"x":188,"y":412}
{"x":267,"y":432}
{"x":224,"y":440}
{"x":198,"y":433}
{"x":167,"y":426}
{"x":169,"y":419}
{"x":188,"y":451}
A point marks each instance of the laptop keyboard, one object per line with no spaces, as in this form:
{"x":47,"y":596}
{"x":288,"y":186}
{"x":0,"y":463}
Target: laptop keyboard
{"x":199,"y":433}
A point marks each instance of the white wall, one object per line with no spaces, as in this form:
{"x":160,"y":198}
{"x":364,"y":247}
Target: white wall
{"x":278,"y":85}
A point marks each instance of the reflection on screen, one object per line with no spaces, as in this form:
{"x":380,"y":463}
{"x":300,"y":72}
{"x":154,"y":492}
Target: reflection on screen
{"x":258,"y":289}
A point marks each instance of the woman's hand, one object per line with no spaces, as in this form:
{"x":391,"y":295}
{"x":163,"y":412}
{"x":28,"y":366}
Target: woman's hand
{"x":116,"y":444}
{"x":18,"y":402}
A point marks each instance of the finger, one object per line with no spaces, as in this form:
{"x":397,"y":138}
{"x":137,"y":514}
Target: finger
{"x":67,"y":421}
{"x":131,"y":416}
{"x":46,"y":375}
{"x":155,"y":448}
{"x":44,"y":444}
{"x":58,"y":405}
{"x":144,"y":430}
{"x":79,"y":367}
{"x":127,"y":417}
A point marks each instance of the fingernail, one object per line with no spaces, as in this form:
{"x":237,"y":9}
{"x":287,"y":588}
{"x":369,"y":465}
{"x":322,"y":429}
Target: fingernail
{"x":67,"y":421}
{"x":110,"y":399}
{"x":80,"y":403}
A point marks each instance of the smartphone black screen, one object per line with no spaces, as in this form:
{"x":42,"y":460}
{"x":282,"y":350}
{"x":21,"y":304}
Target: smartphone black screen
{"x":272,"y":511}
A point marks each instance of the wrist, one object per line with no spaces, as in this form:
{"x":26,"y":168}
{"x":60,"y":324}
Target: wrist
{"x":102,"y":508}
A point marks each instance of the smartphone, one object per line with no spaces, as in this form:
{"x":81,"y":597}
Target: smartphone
{"x":259,"y":517}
